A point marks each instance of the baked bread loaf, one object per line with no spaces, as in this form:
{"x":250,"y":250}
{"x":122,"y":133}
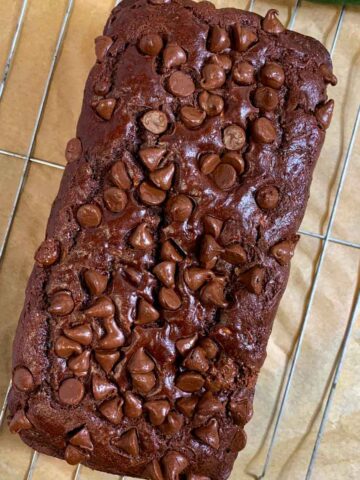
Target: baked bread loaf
{"x":167,"y":250}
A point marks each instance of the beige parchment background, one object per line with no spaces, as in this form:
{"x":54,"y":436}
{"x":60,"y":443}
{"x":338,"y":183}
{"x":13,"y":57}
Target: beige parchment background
{"x":339,"y":455}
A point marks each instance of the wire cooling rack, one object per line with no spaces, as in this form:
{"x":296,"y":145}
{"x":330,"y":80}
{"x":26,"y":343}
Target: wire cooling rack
{"x":326,"y":239}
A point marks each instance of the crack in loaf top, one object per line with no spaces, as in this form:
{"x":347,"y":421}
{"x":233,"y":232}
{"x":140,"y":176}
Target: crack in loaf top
{"x":168,"y":246}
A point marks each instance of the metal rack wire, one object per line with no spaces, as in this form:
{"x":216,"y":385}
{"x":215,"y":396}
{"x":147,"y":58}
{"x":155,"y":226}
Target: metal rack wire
{"x":327,"y":238}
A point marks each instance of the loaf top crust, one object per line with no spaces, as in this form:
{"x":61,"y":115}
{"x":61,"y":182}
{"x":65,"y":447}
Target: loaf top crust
{"x":167,"y":250}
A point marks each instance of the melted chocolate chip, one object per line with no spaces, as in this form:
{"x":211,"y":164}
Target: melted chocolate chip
{"x":272,"y":75}
{"x":234,"y":159}
{"x":234,"y":137}
{"x":141,"y":238}
{"x":151,"y":44}
{"x":197,"y":360}
{"x":65,"y":347}
{"x":187,"y":406}
{"x":112,"y":410}
{"x":210,"y":347}
{"x":225,"y":176}
{"x":143,"y":382}
{"x":327,"y":74}
{"x":209,"y":405}
{"x":128,"y":442}
{"x":102,"y":45}
{"x":195,"y":277}
{"x":192,"y":117}
{"x":263,"y":131}
{"x":95,"y":281}
{"x":234,"y":254}
{"x":185,"y":344}
{"x":115,"y":199}
{"x":132,"y":406}
{"x":174,"y":464}
{"x":105,"y":108}
{"x":23,"y":379}
{"x":169,"y":252}
{"x":190,"y":382}
{"x":114,"y":336}
{"x":19,"y":422}
{"x":271,"y":24}
{"x":119,"y":176}
{"x":266,"y":99}
{"x":211,"y":104}
{"x":267,"y":197}
{"x":253,"y":279}
{"x":107,"y":359}
{"x":146,"y":313}
{"x":48,"y":253}
{"x":140,"y":362}
{"x":162,"y":177}
{"x":324,"y":113}
{"x":244,"y":37}
{"x":153,"y":469}
{"x":244,"y":73}
{"x":102,"y":388}
{"x":209,"y":434}
{"x":103,"y":307}
{"x":209,"y":162}
{"x":89,"y":216}
{"x":169,"y":299}
{"x":151,"y":195}
{"x":152,"y":156}
{"x":81,"y":334}
{"x":179,"y":208}
{"x":181,"y":84}
{"x":82,"y":439}
{"x":173,"y":56}
{"x":71,"y":391}
{"x":223,"y":60}
{"x":213,"y":76}
{"x":61,"y":303}
{"x":155,"y":121}
{"x":213,"y":293}
{"x":283,"y":251}
{"x":157,"y":411}
{"x":165,"y":272}
{"x":212,"y":225}
{"x":173,"y":424}
{"x":80,"y":364}
{"x":74,"y":455}
{"x":219,"y":39}
{"x":73,"y":150}
{"x":209,"y":251}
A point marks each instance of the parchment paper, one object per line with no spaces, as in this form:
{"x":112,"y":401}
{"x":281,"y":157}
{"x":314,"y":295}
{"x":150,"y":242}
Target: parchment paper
{"x":339,"y":455}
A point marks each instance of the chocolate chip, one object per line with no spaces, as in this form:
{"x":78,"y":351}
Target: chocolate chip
{"x":65,"y":347}
{"x":119,"y":176}
{"x":263,"y":131}
{"x":80,"y":364}
{"x":151,"y":195}
{"x":23,"y":379}
{"x":102,"y":388}
{"x":165,"y":272}
{"x":114,"y":337}
{"x":197,"y":360}
{"x":253,"y":279}
{"x":267,"y":197}
{"x":234,"y":159}
{"x":283,"y":251}
{"x":95,"y":281}
{"x":181,"y":84}
{"x":102,"y":86}
{"x":105,"y":108}
{"x":151,"y":44}
{"x":209,"y":251}
{"x":82,"y":439}
{"x":71,"y":391}
{"x":157,"y":411}
{"x":234,"y":254}
{"x":213,"y":76}
{"x":218,"y":40}
{"x":73,"y":150}
{"x":210,"y":347}
{"x":81,"y":334}
{"x":211,"y":104}
{"x":173,"y":56}
{"x":132,"y":406}
{"x":173,"y":424}
{"x":234,"y":137}
{"x":209,"y":434}
{"x":179,"y":208}
{"x":212,"y":225}
{"x":244,"y":73}
{"x":112,"y":410}
{"x":213,"y":293}
{"x":224,"y":176}
{"x":48,"y":253}
{"x":239,"y":441}
{"x":195,"y":277}
{"x":169,"y":299}
{"x":192,"y":117}
{"x":146,"y":313}
{"x":143,"y":382}
{"x":209,"y":405}
{"x":162,"y":177}
{"x":133,"y":275}
{"x":73,"y":455}
{"x":115,"y":199}
{"x":169,"y":252}
{"x":185,"y":344}
{"x":187,"y":405}
{"x":272,"y":75}
{"x":89,"y":215}
{"x":141,"y":238}
{"x":326,"y":72}
{"x":209,"y":162}
{"x":19,"y":422}
{"x":241,"y":411}
{"x":266,"y":99}
{"x":61,"y":303}
{"x":128,"y":442}
{"x":102,"y":45}
{"x":223,"y":60}
{"x":155,"y":121}
{"x":103,"y":307}
{"x":140,"y":362}
{"x":107,"y":359}
{"x":244,"y":37}
{"x":271,"y":24}
{"x":324,"y":112}
{"x":174,"y":464}
{"x":152,"y":156}
{"x":153,"y":469}
{"x":190,"y":382}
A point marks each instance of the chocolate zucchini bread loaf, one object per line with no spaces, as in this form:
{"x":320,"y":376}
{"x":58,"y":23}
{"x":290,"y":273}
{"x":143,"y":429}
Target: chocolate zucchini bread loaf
{"x":167,"y":250}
